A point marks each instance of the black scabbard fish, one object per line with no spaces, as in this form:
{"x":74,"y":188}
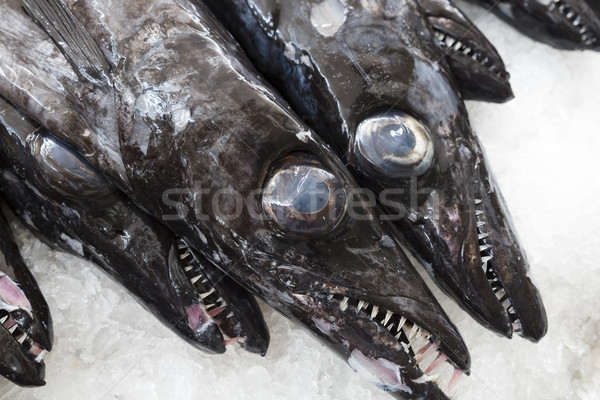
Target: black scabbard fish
{"x":25,"y":324}
{"x":365,"y":76}
{"x":178,"y":118}
{"x":71,"y":206}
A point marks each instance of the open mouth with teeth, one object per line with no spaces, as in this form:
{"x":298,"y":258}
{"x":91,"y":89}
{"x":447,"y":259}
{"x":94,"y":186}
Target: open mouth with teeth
{"x":421,"y":346}
{"x":35,"y":350}
{"x":458,"y":47}
{"x":576,"y":20}
{"x":207,"y":285}
{"x":487,"y":260}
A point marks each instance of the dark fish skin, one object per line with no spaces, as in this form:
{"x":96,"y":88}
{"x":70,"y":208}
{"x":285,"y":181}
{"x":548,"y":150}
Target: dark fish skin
{"x":563,"y":24}
{"x":192,"y":114}
{"x":380,"y":58}
{"x":31,"y":314}
{"x":474,"y":62}
{"x":72,"y":207}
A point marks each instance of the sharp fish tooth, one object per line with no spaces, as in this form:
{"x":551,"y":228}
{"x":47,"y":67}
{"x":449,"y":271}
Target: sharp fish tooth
{"x":413,"y":332}
{"x":181,"y":246}
{"x":478,"y":212}
{"x":40,"y":356}
{"x":436,"y":363}
{"x":482,"y":236}
{"x":12,"y":329}
{"x":195,"y":279}
{"x":480,"y":224}
{"x":388,"y":315}
{"x":205,"y":295}
{"x":344,"y":304}
{"x":485,"y":259}
{"x":22,"y":338}
{"x":361,"y":304}
{"x":477,"y":201}
{"x":3,"y":320}
{"x":484,"y":247}
{"x":205,"y":280}
{"x":374,"y":312}
{"x":456,"y":375}
{"x":184,"y":255}
{"x":401,"y":323}
{"x":188,"y":268}
{"x":429,"y":351}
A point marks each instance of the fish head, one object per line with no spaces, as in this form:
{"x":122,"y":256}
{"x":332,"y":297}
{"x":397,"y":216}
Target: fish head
{"x":412,"y":140}
{"x":25,"y":324}
{"x":320,"y":256}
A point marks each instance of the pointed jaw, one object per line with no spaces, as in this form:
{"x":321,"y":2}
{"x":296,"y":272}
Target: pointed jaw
{"x":402,"y":345}
{"x":368,"y":304}
{"x":234,"y":315}
{"x":564,"y":24}
{"x":505,"y":263}
{"x":476,"y":65}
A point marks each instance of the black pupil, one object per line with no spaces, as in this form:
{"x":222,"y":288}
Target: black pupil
{"x":309,"y":193}
{"x":398,"y":139}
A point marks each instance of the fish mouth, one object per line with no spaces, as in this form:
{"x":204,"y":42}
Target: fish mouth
{"x":25,"y":356}
{"x":564,"y":24}
{"x":237,"y":317}
{"x":478,"y":68}
{"x":475,"y":63}
{"x":383,"y":334}
{"x":504,"y":263}
{"x":577,"y":20}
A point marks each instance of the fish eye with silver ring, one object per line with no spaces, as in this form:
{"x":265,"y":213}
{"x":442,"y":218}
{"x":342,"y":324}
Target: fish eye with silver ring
{"x":303,"y":197}
{"x":393,"y":145}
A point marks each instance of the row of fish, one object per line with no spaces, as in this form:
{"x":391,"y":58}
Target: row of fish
{"x":300,"y":169}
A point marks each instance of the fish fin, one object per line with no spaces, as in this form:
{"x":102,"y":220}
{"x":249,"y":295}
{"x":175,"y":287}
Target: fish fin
{"x":69,"y":34}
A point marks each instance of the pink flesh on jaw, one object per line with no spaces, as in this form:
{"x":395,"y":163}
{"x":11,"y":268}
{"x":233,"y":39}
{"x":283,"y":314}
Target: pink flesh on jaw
{"x":12,"y":295}
{"x":197,"y":317}
{"x":430,"y":350}
{"x":36,"y":350}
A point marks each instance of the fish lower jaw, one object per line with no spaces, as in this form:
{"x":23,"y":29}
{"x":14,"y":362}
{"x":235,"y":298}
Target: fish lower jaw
{"x":208,"y":295}
{"x":487,"y":264}
{"x":415,"y":340}
{"x":32,"y":348}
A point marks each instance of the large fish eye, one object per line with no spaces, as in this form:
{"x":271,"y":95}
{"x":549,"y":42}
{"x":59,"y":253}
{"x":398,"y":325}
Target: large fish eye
{"x":301,"y":196}
{"x":393,"y":145}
